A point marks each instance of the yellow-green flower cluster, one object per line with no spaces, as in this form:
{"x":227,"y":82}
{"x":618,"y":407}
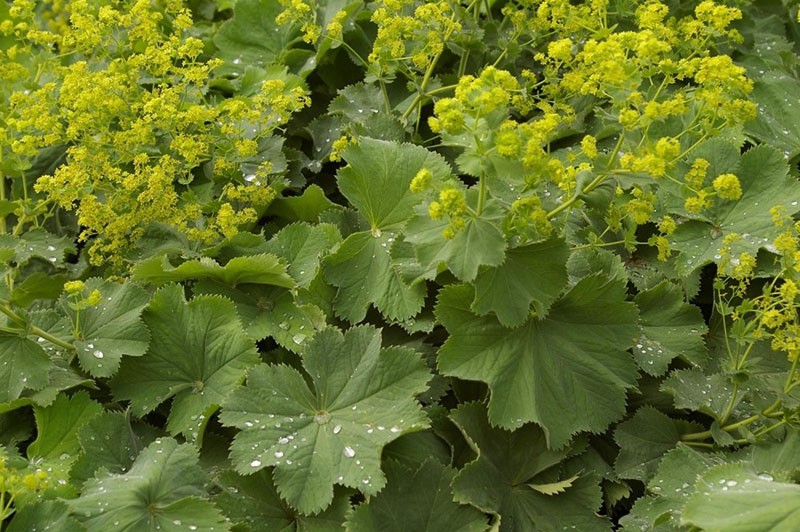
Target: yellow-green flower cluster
{"x":134,"y":147}
{"x":528,"y":219}
{"x":15,"y":482}
{"x":727,"y":187}
{"x":415,"y":29}
{"x":451,"y":204}
{"x":304,"y":14}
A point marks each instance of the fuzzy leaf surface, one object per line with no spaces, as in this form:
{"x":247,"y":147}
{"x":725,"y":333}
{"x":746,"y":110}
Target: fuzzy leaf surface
{"x":736,"y":498}
{"x":480,"y":243}
{"x":112,"y":329}
{"x":198,"y":355}
{"x":362,"y":397}
{"x":162,"y":491}
{"x":23,"y":364}
{"x":377,"y":177}
{"x":363,"y":271}
{"x":418,"y":499}
{"x":498,"y":480}
{"x":265,"y":268}
{"x":252,"y":502}
{"x":670,"y":328}
{"x":252,"y":35}
{"x":643,"y":441}
{"x":110,"y":441}
{"x":302,"y":245}
{"x":536,"y":273}
{"x":763,"y":174}
{"x":567,"y":372}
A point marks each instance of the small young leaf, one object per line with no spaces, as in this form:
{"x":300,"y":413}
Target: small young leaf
{"x":110,"y":330}
{"x":554,"y":488}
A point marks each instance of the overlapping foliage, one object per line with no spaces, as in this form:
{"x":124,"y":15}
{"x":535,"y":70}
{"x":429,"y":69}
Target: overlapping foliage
{"x":399,"y":265}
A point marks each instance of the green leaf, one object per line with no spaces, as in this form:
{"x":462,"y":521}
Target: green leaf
{"x":304,"y":208}
{"x":251,"y":36}
{"x":162,"y":491}
{"x":480,"y":243}
{"x":643,"y":441}
{"x":256,"y":269}
{"x":39,"y":243}
{"x":419,"y":500}
{"x":554,"y":488}
{"x":60,"y":377}
{"x":44,"y":515}
{"x":674,"y":482}
{"x":110,"y":330}
{"x":269,"y":311}
{"x":301,"y":246}
{"x":363,"y":271}
{"x":253,"y":502}
{"x":37,"y":285}
{"x":198,"y":354}
{"x":567,"y":372}
{"x":377,"y":177}
{"x":58,"y":425}
{"x":778,"y":120}
{"x":356,"y":102}
{"x":694,"y":390}
{"x":411,"y":450}
{"x":737,"y":498}
{"x":362,"y":398}
{"x":763,"y":173}
{"x":670,"y":328}
{"x":498,"y":480}
{"x":23,"y":365}
{"x":779,"y":458}
{"x":112,"y":442}
{"x":536,"y":273}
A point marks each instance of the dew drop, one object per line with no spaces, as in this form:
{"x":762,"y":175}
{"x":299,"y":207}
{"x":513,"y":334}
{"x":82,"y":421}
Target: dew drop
{"x":349,"y":452}
{"x":255,"y":463}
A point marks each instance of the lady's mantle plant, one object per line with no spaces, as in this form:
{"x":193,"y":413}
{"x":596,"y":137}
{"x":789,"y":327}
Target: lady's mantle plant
{"x":399,"y":265}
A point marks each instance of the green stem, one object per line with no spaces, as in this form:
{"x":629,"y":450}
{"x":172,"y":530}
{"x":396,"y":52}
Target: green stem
{"x":2,"y":193}
{"x":33,"y":330}
{"x":570,"y":202}
{"x":729,"y":407}
{"x":481,"y":193}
